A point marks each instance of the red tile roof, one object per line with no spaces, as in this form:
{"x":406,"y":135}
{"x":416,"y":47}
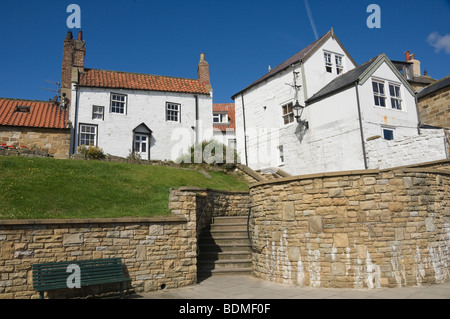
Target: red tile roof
{"x":41,"y":114}
{"x":228,"y":108}
{"x":137,"y":81}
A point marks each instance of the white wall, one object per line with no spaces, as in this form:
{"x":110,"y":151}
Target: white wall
{"x":427,"y":147}
{"x":168,"y":140}
{"x":314,"y":68}
{"x":374,"y":117}
{"x":321,"y":147}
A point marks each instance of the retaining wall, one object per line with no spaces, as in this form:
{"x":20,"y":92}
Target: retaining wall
{"x":156,"y":252}
{"x":360,"y":229}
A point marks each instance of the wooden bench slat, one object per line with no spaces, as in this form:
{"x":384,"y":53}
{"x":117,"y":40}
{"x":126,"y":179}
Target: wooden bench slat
{"x":51,"y":276}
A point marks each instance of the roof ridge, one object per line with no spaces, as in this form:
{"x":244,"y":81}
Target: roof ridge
{"x":27,"y":100}
{"x":146,"y":74}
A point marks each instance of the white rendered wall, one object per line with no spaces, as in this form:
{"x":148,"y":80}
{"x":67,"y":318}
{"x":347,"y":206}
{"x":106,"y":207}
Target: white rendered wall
{"x":314,"y":68}
{"x":374,"y":117}
{"x":168,"y":140}
{"x":304,"y":152}
{"x":429,"y":146}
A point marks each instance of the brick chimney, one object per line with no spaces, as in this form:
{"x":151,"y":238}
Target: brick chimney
{"x":203,"y":72}
{"x":74,"y":52}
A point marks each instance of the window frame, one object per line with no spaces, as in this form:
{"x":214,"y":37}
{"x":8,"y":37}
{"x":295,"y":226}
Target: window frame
{"x":328,"y":62}
{"x":95,"y":134}
{"x":289,"y":115}
{"x":220,"y":116}
{"x":378,"y":95}
{"x":94,"y":113}
{"x":340,"y":65}
{"x":386,"y":129}
{"x":118,"y":101}
{"x":396,"y":98}
{"x":178,"y":112}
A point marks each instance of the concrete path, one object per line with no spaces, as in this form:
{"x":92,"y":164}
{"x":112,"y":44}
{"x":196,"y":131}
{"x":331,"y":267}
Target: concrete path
{"x":248,"y":287}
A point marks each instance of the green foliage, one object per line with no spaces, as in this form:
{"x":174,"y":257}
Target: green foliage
{"x":92,"y":152}
{"x":210,"y":152}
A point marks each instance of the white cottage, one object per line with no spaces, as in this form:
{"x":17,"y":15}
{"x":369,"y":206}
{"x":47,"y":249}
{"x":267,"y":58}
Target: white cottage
{"x":157,"y":117}
{"x":351,"y":117}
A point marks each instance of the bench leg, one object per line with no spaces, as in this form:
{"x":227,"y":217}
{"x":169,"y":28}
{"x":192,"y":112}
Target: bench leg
{"x":121,"y":290}
{"x":41,"y":295}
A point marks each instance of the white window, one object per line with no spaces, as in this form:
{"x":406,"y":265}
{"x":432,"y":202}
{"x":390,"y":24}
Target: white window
{"x":394,"y":91}
{"x":118,"y":103}
{"x":288,"y":114}
{"x":97,"y":112}
{"x":173,"y":112}
{"x":328,"y":63}
{"x":388,"y":133}
{"x":88,"y":135}
{"x":378,"y":93}
{"x":281,"y":154}
{"x":339,"y":65}
{"x":220,"y":117}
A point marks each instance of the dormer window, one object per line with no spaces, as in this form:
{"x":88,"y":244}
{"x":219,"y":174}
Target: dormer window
{"x":22,"y":109}
{"x":220,"y":118}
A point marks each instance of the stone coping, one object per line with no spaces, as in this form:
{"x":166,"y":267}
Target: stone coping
{"x":133,"y":220}
{"x":199,"y":189}
{"x":406,"y":169}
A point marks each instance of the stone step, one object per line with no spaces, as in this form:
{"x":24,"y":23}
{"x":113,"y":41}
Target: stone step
{"x":242,"y":220}
{"x":225,"y":247}
{"x":224,"y":264}
{"x":224,"y":233}
{"x":228,"y":227}
{"x":227,"y":255}
{"x":220,"y":240}
{"x":224,"y":272}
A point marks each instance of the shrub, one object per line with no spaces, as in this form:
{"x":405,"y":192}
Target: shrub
{"x":91,"y":152}
{"x":210,"y":152}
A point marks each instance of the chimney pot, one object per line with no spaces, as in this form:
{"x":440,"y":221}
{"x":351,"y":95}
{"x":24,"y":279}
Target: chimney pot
{"x":202,"y":57}
{"x":407,"y":55}
{"x":80,"y":35}
{"x":69,"y":35}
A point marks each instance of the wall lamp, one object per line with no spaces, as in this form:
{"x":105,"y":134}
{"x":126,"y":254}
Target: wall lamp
{"x":298,"y":111}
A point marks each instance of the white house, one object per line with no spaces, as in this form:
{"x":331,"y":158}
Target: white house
{"x":352,"y":117}
{"x":157,"y":117}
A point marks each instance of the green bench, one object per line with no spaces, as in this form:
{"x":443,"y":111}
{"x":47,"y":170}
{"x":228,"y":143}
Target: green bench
{"x":52,"y":276}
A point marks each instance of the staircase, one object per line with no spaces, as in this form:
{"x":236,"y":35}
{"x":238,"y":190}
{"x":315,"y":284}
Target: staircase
{"x":224,"y":248}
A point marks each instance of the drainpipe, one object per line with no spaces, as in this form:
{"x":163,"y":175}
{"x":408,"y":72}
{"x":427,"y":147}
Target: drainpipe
{"x":196,"y":119}
{"x":305,"y":90}
{"x":75,"y":126}
{"x":245,"y":130}
{"x":418,"y":113}
{"x":360,"y":126}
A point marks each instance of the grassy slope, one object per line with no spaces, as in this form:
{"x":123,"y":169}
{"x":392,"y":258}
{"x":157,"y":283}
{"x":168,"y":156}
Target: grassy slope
{"x":49,"y":188}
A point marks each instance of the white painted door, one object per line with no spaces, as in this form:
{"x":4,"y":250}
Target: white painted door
{"x":141,"y":145}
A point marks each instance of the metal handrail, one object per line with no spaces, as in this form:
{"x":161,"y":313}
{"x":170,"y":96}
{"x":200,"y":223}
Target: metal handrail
{"x":248,"y":227}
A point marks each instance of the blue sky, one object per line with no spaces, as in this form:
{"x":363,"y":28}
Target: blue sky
{"x":240,"y":38}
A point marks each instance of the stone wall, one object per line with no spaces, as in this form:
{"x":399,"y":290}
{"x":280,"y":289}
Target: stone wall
{"x":360,"y":229}
{"x":434,"y":108}
{"x":55,"y":141}
{"x":156,"y":252}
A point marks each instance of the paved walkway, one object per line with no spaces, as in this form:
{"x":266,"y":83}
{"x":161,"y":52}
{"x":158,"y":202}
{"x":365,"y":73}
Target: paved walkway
{"x":247,"y":287}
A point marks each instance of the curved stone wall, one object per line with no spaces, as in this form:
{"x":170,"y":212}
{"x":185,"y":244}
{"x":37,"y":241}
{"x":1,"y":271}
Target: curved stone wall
{"x":363,"y":229}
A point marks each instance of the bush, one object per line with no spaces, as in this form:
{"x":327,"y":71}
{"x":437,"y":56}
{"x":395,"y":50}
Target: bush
{"x":91,"y":152}
{"x":210,"y":152}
